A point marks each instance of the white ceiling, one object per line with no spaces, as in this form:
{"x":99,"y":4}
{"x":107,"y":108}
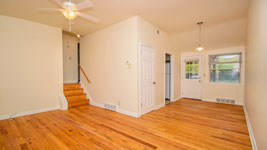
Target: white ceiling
{"x":170,"y":15}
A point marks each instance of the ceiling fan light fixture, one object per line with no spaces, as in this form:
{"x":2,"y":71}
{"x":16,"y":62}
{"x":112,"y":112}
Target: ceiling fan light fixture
{"x":71,"y":10}
{"x":69,"y":14}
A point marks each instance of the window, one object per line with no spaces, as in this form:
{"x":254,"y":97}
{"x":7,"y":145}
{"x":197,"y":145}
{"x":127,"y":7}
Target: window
{"x":191,"y":71}
{"x":225,"y":68}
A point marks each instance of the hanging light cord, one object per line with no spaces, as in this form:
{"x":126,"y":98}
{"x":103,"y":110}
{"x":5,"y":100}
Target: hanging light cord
{"x":199,"y":44}
{"x":199,"y":38}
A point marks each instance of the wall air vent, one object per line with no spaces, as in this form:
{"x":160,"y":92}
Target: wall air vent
{"x":110,"y":107}
{"x":158,"y":32}
{"x":225,"y":100}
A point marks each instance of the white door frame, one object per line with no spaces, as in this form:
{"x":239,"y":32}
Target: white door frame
{"x":139,"y":78}
{"x":183,"y":72}
{"x":172,"y":76}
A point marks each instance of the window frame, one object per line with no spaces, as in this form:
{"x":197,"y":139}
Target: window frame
{"x":227,"y":52}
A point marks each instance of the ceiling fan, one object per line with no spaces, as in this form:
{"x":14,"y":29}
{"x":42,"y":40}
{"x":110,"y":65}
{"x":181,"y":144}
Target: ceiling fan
{"x":71,"y":10}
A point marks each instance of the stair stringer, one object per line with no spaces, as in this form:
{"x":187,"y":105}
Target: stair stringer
{"x":63,"y":102}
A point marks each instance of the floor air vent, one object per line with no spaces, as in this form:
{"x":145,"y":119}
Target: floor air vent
{"x":224,"y":100}
{"x":110,"y":107}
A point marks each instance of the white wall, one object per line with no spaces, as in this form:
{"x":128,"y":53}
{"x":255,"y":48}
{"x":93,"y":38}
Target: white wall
{"x":70,"y":58}
{"x":147,"y":34}
{"x":230,"y":33}
{"x":31,"y":66}
{"x":256,"y":71}
{"x":211,"y":91}
{"x":103,"y":57}
{"x":221,"y":37}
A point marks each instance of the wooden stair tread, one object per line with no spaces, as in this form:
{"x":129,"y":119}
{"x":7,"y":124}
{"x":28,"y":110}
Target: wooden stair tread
{"x":78,"y":100}
{"x":78,"y":103}
{"x":76,"y":89}
{"x":75,"y":95}
{"x":67,"y":94}
{"x":70,"y":84}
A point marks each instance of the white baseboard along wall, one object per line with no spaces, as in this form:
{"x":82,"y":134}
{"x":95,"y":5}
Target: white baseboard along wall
{"x":250,"y":131}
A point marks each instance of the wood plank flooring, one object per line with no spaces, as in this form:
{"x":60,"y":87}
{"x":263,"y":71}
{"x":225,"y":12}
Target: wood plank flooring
{"x":185,"y":124}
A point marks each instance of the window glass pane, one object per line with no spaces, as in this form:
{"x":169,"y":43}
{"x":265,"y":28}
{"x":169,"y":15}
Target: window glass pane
{"x":191,"y":70}
{"x":225,"y":76}
{"x":225,"y":58}
{"x":187,"y":70}
{"x":225,"y":68}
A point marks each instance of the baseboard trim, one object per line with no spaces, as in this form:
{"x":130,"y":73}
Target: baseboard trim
{"x":214,"y":101}
{"x":25,"y":113}
{"x":96,"y":104}
{"x":176,"y":99}
{"x":250,"y":131}
{"x":93,"y":103}
{"x":128,"y":113}
{"x":159,"y":106}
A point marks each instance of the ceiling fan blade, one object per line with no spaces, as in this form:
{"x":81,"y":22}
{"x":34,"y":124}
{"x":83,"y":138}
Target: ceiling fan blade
{"x":83,"y":5}
{"x":59,"y":3}
{"x":85,"y":16}
{"x":49,"y":9}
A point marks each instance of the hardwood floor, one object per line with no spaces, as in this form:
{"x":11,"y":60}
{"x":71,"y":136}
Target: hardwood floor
{"x":185,"y":124}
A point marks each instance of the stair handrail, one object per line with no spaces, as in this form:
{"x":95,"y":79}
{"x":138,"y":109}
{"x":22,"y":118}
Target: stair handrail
{"x":84,"y":73}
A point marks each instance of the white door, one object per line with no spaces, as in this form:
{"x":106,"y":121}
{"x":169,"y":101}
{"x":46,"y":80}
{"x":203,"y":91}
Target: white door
{"x":147,"y":79}
{"x":191,"y":77}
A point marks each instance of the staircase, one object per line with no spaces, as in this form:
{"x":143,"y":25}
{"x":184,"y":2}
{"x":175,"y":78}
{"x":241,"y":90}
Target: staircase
{"x":74,"y":95}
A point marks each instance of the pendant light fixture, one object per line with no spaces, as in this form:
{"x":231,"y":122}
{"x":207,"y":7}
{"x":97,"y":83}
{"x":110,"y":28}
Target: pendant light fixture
{"x":199,"y":48}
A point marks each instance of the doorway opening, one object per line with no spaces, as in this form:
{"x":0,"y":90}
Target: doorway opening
{"x":71,"y":58}
{"x":169,"y":78}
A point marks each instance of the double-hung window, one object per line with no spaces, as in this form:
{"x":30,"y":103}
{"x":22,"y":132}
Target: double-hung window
{"x":225,"y":68}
